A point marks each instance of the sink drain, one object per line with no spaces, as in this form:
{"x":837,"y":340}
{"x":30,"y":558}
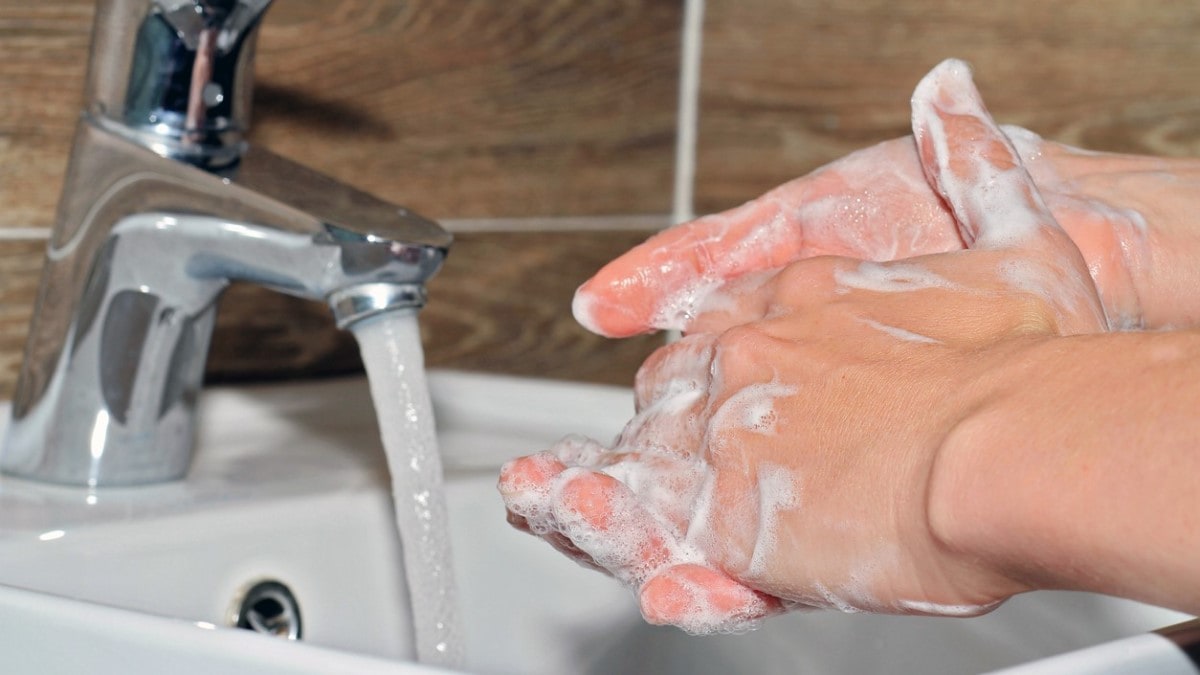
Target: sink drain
{"x":269,"y":607}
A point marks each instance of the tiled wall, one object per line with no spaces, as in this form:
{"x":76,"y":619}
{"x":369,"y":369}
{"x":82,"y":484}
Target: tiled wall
{"x":544,"y":132}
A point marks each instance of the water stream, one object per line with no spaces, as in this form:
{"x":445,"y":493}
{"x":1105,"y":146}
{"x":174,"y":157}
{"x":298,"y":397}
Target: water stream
{"x":395,"y":364}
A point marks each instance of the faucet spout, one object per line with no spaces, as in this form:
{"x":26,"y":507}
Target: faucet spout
{"x":154,"y":222}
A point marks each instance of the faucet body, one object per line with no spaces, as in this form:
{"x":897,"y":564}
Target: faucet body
{"x":163,"y":205}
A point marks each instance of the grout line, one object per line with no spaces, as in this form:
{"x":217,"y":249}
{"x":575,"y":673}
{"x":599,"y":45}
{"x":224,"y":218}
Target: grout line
{"x":649,"y":222}
{"x":683,"y":200}
{"x":24,"y":233}
{"x":683,"y":203}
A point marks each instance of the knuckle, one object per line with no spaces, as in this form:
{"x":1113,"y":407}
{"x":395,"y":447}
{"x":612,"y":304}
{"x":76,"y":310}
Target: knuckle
{"x":739,"y":352}
{"x":808,"y":282}
{"x":684,"y":361}
{"x":812,"y":274}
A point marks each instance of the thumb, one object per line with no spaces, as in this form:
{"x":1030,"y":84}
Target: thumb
{"x":973,"y":165}
{"x":995,"y":203}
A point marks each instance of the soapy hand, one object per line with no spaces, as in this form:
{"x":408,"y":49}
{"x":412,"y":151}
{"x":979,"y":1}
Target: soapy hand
{"x":783,"y":450}
{"x":876,"y":204}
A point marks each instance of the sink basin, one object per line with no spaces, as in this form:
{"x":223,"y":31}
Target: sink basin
{"x":289,"y":485}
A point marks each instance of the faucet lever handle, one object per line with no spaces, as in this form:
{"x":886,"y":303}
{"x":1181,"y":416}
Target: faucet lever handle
{"x":188,"y":76}
{"x":231,"y":19}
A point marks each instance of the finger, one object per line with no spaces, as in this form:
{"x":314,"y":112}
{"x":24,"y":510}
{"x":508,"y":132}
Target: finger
{"x":557,"y":540}
{"x":873,"y":204}
{"x":802,"y":284}
{"x":701,"y":600}
{"x":678,"y":372}
{"x":532,"y":473}
{"x":658,"y":284}
{"x":740,"y":300}
{"x":995,"y":202}
{"x":604,"y":519}
{"x":525,"y":486}
{"x":561,"y":543}
{"x":568,"y":507}
{"x":973,"y":165}
{"x":578,"y":450}
{"x":518,"y":521}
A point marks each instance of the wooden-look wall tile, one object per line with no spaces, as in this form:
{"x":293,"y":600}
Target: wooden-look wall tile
{"x":20,"y":263}
{"x":43,"y":53}
{"x":466,"y":108}
{"x":788,"y":85}
{"x":503,"y":304}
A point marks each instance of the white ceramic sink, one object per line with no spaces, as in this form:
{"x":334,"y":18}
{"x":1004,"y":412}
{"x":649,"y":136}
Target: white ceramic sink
{"x":289,"y":484}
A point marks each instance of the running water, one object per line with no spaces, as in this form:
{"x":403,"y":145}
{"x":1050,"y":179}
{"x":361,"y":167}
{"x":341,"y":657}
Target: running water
{"x":391,"y":352}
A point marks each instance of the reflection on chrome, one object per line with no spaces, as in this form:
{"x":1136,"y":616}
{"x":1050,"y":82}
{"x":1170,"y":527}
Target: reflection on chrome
{"x":163,"y":205}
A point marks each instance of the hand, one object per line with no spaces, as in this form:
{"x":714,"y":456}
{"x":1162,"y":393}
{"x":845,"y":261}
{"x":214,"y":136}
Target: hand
{"x":783,"y":451}
{"x":876,"y":204}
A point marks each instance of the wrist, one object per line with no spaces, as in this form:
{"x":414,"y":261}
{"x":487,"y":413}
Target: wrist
{"x":970,"y":512}
{"x":1074,"y":470}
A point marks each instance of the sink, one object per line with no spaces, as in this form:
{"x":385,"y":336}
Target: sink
{"x":289,"y":485}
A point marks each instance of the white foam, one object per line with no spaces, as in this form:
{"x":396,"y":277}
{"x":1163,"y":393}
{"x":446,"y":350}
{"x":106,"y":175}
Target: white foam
{"x":937,"y":609}
{"x":729,"y":297}
{"x":679,"y":396}
{"x":778,"y":491}
{"x":632,"y":522}
{"x":578,"y":450}
{"x":830,"y":600}
{"x":679,"y":308}
{"x":1028,"y":143}
{"x":752,"y":408}
{"x":701,"y":618}
{"x":698,"y":536}
{"x":889,"y":278}
{"x":583,"y":309}
{"x":900,"y":333}
{"x":662,"y":487}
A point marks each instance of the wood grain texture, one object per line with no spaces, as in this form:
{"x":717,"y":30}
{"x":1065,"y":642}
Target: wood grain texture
{"x":789,"y":85}
{"x":43,"y":53}
{"x":20,"y":265}
{"x":482,"y":107}
{"x":502,"y":304}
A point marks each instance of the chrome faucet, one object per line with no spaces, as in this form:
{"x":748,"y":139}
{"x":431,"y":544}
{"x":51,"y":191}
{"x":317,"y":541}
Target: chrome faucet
{"x":164,"y":203}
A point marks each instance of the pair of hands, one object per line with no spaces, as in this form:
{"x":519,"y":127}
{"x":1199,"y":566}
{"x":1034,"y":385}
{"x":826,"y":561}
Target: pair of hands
{"x":837,"y":332}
